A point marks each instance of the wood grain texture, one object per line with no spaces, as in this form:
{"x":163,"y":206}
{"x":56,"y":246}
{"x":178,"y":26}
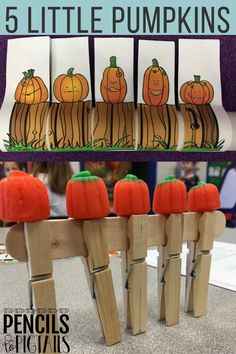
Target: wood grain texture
{"x":38,"y":249}
{"x":201,"y":126}
{"x":28,"y":124}
{"x":72,"y":125}
{"x":114,"y":125}
{"x":52,"y":125}
{"x":66,"y":239}
{"x":157,"y":127}
{"x":107,"y":308}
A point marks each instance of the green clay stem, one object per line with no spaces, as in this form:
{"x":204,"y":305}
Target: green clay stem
{"x":70,"y":72}
{"x":84,"y":176}
{"x":130,"y":177}
{"x":200,"y":184}
{"x":113,"y":62}
{"x":167,"y":179}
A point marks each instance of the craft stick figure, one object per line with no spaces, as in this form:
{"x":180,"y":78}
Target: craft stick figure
{"x":170,"y":198}
{"x":87,"y":200}
{"x":205,"y":200}
{"x":132,"y":200}
{"x":25,"y":199}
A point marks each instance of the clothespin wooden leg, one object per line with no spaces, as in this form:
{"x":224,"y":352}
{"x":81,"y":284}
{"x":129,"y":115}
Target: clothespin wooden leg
{"x":101,"y":280}
{"x":136,"y":274}
{"x":169,"y":271}
{"x":211,"y":225}
{"x":40,"y":270}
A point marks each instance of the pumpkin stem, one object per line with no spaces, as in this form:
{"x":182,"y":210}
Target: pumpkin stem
{"x":25,"y":73}
{"x":70,"y":72}
{"x":200,"y":184}
{"x":113,"y":62}
{"x":197,"y":78}
{"x":155,"y":62}
{"x":130,"y":177}
{"x":30,"y":74}
{"x":167,"y":179}
{"x":84,"y":176}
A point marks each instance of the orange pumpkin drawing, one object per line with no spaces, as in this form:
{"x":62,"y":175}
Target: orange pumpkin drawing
{"x":31,"y":89}
{"x":198,"y":92}
{"x":113,"y":86}
{"x":155,"y":85}
{"x":71,"y":87}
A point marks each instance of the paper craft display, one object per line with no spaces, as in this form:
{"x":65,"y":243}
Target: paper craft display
{"x":25,"y":108}
{"x":114,"y":118}
{"x":71,"y":122}
{"x":157,"y":117}
{"x":206,"y":124}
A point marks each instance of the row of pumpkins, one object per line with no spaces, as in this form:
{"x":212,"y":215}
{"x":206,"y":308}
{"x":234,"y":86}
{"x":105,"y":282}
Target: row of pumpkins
{"x":74,"y":87}
{"x":87,"y":197}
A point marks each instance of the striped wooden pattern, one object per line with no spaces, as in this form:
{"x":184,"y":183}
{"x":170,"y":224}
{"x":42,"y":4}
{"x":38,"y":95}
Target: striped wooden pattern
{"x":157,"y":127}
{"x":28,"y":124}
{"x":54,"y":125}
{"x":70,"y":125}
{"x":114,"y":125}
{"x":201,"y":126}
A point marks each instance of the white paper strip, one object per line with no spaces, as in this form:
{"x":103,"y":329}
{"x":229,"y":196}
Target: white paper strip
{"x":201,"y":57}
{"x":164,"y":52}
{"x":70,"y":53}
{"x":223,"y":266}
{"x":22,"y":54}
{"x":122,"y":49}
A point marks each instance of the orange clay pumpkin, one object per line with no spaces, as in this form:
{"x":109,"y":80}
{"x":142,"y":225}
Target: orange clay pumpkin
{"x":113,"y":85}
{"x":170,"y":197}
{"x":203,"y":197}
{"x":197,"y":92}
{"x":131,"y":197}
{"x":23,"y":198}
{"x":71,"y":87}
{"x":87,"y":197}
{"x":31,"y":89}
{"x":155,"y":85}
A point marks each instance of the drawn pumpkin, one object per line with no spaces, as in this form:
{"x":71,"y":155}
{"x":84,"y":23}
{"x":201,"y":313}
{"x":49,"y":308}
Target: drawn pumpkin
{"x":155,"y":85}
{"x":31,"y":89}
{"x":203,"y":197}
{"x":71,"y":87}
{"x":131,"y":196}
{"x":170,"y":197}
{"x":198,"y":92}
{"x":23,"y":198}
{"x":113,"y":85}
{"x":87,"y":197}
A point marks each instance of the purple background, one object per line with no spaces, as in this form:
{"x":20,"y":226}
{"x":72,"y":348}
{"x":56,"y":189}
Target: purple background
{"x":228,"y":78}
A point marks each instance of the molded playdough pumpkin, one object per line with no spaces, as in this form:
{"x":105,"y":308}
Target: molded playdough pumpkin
{"x":87,"y":197}
{"x":197,"y":92}
{"x":71,"y":87}
{"x":203,"y":197}
{"x":23,"y":198}
{"x":170,"y":197}
{"x":155,"y":85}
{"x":31,"y":89}
{"x":131,"y":197}
{"x":113,"y":85}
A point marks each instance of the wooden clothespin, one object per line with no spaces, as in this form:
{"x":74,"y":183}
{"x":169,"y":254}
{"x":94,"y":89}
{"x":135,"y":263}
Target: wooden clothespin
{"x":170,"y":200}
{"x":132,"y":200}
{"x":87,"y":200}
{"x":26,"y":200}
{"x":203,"y":199}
